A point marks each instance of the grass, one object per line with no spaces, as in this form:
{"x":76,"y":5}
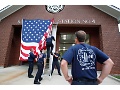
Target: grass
{"x":118,"y":77}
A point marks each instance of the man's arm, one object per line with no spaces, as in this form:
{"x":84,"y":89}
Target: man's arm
{"x":53,"y":38}
{"x":107,"y":66}
{"x":33,"y":56}
{"x":56,"y":56}
{"x":64,"y":68}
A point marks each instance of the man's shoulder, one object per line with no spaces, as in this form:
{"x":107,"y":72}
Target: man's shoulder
{"x":30,"y":53}
{"x":83,"y":45}
{"x":52,"y":36}
{"x":91,"y":46}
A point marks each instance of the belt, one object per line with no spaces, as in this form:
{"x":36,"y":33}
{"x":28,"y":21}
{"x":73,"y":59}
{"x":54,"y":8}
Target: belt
{"x":84,"y":79}
{"x":40,"y":62}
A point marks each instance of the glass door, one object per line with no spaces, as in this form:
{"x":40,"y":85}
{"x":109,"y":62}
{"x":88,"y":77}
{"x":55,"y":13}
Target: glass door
{"x":67,"y":40}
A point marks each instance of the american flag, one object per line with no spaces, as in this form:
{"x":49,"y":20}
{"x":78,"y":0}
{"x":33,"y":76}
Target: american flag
{"x":33,"y":35}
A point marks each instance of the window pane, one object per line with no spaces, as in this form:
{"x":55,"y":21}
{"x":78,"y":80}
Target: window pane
{"x":67,"y":40}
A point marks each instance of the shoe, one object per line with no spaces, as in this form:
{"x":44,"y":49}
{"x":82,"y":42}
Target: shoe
{"x":40,"y":79}
{"x":51,"y":53}
{"x":31,"y":76}
{"x":50,"y":75}
{"x":47,"y":59}
{"x":37,"y":83}
{"x":60,"y":74}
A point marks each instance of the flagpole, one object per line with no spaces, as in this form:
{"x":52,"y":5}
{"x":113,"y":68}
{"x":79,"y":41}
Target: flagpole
{"x":54,"y":33}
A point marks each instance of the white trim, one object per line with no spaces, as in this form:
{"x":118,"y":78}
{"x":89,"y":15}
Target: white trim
{"x":5,"y":8}
{"x":9,"y":10}
{"x":114,"y":7}
{"x":119,"y":27}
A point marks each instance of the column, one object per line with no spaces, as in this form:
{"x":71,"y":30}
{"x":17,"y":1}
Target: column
{"x":54,"y":33}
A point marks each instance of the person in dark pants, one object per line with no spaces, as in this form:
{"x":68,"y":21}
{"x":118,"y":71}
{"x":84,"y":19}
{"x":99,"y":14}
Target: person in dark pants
{"x":49,"y":45}
{"x":56,"y":63}
{"x":84,"y":58}
{"x":31,"y":59}
{"x":40,"y":65}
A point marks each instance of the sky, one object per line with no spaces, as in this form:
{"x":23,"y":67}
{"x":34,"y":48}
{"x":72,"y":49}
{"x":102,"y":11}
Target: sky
{"x":2,"y":6}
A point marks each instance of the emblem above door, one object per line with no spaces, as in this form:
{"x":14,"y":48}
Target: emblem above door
{"x":54,"y":8}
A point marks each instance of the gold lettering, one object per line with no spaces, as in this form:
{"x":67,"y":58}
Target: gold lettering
{"x":78,"y":21}
{"x":66,"y":21}
{"x":75,"y":21}
{"x":93,"y":21}
{"x":59,"y":21}
{"x":62,"y":21}
{"x":85,"y":21}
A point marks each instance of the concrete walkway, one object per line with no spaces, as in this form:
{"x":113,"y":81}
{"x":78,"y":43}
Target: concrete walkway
{"x":17,"y":75}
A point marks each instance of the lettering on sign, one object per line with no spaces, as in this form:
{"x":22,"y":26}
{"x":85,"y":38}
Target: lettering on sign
{"x":76,"y":21}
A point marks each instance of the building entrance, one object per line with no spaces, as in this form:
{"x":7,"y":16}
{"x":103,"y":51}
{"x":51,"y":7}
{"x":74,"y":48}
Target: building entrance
{"x":66,"y":36}
{"x":65,"y":39}
{"x":14,"y":47}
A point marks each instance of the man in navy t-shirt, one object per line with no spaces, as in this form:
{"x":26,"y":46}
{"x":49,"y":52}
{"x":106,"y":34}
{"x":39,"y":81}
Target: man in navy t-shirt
{"x":31,"y":59}
{"x":84,"y":58}
{"x":40,"y":65}
{"x":56,"y":63}
{"x":49,"y":45}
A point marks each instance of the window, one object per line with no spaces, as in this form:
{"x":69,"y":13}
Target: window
{"x":67,"y":40}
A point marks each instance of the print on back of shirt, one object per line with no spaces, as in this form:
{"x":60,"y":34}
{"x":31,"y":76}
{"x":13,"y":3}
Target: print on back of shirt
{"x":86,"y":58}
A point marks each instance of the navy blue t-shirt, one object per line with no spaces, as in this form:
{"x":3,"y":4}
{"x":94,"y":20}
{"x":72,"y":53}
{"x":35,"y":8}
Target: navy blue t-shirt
{"x":49,"y":39}
{"x":84,"y":58}
{"x":56,"y":58}
{"x":31,"y":56}
{"x":41,"y":57}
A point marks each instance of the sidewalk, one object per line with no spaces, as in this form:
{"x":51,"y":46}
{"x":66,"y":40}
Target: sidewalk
{"x":17,"y":75}
{"x":10,"y":73}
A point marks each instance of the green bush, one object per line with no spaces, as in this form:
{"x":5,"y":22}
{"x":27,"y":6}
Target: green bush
{"x":117,"y":77}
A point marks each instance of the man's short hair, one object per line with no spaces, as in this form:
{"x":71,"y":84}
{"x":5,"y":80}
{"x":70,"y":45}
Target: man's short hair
{"x":31,"y":49}
{"x":81,"y":35}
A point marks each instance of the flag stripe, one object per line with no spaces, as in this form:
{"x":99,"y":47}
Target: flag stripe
{"x":24,"y":54}
{"x":28,"y":47}
{"x":34,"y":34}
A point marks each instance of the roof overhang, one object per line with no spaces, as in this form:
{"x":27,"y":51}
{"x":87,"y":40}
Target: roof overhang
{"x":110,"y":10}
{"x":9,"y":10}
